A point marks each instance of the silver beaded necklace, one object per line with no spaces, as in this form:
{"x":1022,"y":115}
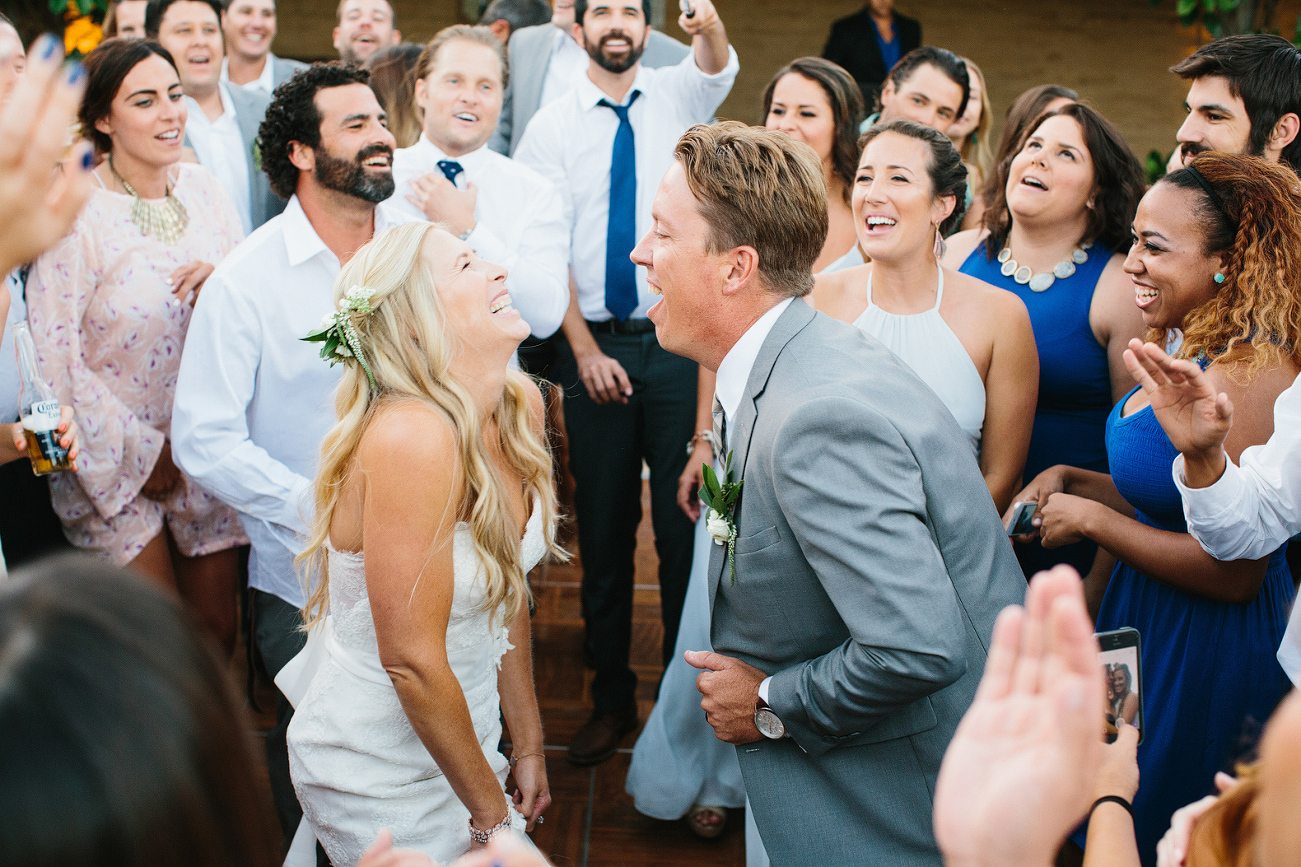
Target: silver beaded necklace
{"x":1040,"y":282}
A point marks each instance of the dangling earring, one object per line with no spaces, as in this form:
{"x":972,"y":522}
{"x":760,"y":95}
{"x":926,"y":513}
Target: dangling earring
{"x":1219,"y":278}
{"x":939,"y":243}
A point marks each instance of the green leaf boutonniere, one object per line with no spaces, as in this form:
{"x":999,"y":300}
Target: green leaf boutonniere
{"x":721,"y":498}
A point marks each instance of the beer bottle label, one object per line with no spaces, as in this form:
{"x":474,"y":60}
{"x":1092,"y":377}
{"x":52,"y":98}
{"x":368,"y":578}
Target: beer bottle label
{"x":45,"y":415}
{"x":48,"y":441}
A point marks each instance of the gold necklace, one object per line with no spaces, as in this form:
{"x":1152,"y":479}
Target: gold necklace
{"x":165,"y":221}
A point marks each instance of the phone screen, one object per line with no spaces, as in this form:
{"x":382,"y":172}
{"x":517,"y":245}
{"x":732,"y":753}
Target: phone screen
{"x":1021,"y":515}
{"x":1119,"y":658}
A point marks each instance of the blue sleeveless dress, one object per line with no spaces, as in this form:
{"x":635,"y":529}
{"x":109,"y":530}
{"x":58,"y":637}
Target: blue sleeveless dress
{"x":1074,"y":385}
{"x":1209,"y":672}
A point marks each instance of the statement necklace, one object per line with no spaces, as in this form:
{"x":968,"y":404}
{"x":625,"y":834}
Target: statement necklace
{"x":1040,"y":282}
{"x":165,"y":221}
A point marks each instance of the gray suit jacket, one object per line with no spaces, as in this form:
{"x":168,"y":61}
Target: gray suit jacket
{"x":530,"y":55}
{"x":250,"y":109}
{"x":870,"y":565}
{"x":282,"y":68}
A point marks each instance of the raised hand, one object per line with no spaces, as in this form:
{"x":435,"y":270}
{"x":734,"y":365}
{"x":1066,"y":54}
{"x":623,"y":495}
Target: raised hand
{"x":1020,"y":770}
{"x":1193,"y":414}
{"x":38,"y":201}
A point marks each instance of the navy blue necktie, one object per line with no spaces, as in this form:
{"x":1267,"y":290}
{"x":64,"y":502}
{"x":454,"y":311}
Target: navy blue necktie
{"x":451,"y":168}
{"x":621,"y":230}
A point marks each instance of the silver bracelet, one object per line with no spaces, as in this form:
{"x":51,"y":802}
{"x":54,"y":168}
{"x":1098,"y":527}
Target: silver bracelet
{"x":484,"y":836}
{"x":706,"y":436}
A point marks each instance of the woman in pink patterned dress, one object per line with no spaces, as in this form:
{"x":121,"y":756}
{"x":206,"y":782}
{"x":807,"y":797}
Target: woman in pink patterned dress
{"x":109,"y":306}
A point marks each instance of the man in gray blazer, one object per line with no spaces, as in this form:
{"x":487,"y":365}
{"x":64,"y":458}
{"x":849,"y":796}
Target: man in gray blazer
{"x":854,"y":605}
{"x":249,"y":27}
{"x":540,"y":63}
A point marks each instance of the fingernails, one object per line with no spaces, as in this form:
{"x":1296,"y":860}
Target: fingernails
{"x":87,"y":160}
{"x":46,"y":46}
{"x":74,"y":74}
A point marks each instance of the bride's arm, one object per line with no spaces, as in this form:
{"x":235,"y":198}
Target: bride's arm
{"x":412,"y":488}
{"x":519,"y":707}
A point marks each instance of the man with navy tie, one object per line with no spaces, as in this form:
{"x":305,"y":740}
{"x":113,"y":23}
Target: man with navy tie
{"x":606,"y":144}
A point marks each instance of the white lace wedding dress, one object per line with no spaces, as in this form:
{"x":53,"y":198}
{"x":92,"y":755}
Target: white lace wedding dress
{"x":357,"y":764}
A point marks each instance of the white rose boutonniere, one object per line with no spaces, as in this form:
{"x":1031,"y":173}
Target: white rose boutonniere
{"x":722,"y":498}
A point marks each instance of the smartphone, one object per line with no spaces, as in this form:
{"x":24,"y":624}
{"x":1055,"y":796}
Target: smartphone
{"x":687,"y":9}
{"x":1119,"y":658}
{"x":1021,"y":515}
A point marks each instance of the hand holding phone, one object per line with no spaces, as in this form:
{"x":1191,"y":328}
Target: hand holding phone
{"x":1119,"y":658}
{"x":687,"y":9}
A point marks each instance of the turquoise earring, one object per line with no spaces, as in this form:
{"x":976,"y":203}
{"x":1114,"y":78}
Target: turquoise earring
{"x":1219,"y":278}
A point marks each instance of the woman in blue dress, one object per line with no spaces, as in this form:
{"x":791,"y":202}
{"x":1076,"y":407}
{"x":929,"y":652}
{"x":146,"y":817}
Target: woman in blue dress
{"x":1064,"y":206}
{"x":1213,"y":255}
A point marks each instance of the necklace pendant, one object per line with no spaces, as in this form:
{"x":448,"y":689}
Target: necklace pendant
{"x":1022,"y":275}
{"x":1008,"y":268}
{"x":1062,"y":270}
{"x":1041,"y":282}
{"x":1079,"y":257}
{"x":1004,"y":254}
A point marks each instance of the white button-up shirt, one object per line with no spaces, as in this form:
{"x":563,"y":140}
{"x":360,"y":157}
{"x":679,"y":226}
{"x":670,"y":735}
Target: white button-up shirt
{"x":219,"y":145}
{"x":253,"y":400}
{"x":571,"y":142}
{"x":567,"y":67}
{"x":264,"y":83}
{"x":520,"y":224}
{"x":1255,"y":507}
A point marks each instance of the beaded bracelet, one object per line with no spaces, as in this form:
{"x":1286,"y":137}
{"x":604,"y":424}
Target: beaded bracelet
{"x":484,"y":836}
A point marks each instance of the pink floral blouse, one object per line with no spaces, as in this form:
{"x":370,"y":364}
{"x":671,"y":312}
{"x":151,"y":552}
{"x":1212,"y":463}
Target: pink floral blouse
{"x":109,"y":333}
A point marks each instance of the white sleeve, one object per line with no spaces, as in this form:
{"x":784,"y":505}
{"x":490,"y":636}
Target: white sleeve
{"x":698,"y":93}
{"x":210,"y":435}
{"x":538,"y":278}
{"x":1256,"y":507}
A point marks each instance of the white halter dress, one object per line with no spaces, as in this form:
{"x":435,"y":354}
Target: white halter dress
{"x":927,"y":344}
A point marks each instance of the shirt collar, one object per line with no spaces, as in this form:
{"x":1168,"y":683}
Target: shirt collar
{"x":734,"y":372}
{"x":432,"y":152}
{"x":302,"y":242}
{"x":227,"y":107}
{"x":589,"y":95}
{"x":265,"y":81}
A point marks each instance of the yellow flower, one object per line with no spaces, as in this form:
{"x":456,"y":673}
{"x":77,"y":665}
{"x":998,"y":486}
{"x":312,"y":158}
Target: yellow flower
{"x":82,"y":35}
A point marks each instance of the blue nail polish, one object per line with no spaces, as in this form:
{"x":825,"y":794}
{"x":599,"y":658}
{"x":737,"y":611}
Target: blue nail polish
{"x":48,"y":46}
{"x":75,"y":73}
{"x":88,"y":161}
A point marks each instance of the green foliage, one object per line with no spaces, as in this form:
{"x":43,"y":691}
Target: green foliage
{"x":93,"y":8}
{"x":1232,"y":17}
{"x":1154,"y":166}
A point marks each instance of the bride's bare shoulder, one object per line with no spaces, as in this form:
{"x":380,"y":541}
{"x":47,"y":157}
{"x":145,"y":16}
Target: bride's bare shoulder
{"x":406,"y":433}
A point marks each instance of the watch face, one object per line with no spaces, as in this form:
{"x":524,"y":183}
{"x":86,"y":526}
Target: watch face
{"x":769,"y":724}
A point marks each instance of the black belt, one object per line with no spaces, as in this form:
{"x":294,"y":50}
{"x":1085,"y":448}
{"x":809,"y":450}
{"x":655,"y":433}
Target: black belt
{"x":614,"y":326}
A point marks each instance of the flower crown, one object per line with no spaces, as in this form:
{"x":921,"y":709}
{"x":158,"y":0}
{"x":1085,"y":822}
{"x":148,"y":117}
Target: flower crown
{"x":338,"y":334}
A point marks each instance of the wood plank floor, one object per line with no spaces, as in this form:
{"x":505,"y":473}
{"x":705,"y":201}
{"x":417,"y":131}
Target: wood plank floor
{"x":592,"y":821}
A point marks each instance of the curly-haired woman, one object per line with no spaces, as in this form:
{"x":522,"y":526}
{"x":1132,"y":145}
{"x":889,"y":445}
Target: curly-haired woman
{"x":1214,"y":252}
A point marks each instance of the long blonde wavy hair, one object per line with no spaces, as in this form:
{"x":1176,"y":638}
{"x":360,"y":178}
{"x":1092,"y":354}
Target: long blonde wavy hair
{"x":411,"y":347}
{"x":1256,"y":228}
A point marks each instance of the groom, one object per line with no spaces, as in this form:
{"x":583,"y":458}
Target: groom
{"x":851,"y":629}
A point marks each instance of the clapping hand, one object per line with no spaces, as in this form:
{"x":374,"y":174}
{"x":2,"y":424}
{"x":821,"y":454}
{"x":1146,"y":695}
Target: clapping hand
{"x":37,"y":201}
{"x":1193,"y":414}
{"x":1021,"y":768}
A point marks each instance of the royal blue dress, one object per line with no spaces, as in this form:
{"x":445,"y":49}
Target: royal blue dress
{"x":1074,"y":385}
{"x":1209,"y":670}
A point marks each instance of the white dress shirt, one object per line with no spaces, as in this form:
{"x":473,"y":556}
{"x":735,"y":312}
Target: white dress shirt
{"x":10,"y":381}
{"x":264,"y":83}
{"x":253,"y":400}
{"x":567,"y":66}
{"x":734,"y":373}
{"x":571,"y":141}
{"x":520,"y":224}
{"x":219,"y":145}
{"x":1254,"y":508}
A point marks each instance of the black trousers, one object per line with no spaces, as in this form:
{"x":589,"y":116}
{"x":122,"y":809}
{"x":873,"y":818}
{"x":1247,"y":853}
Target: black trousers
{"x":278,"y":636}
{"x":607,"y":445}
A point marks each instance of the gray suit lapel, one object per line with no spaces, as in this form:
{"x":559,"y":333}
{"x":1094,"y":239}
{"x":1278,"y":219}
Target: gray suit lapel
{"x":792,"y":320}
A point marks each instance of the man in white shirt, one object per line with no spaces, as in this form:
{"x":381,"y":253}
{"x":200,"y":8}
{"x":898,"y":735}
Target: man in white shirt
{"x":506,"y":211}
{"x":365,"y":26}
{"x":606,"y":144}
{"x":223,"y":121}
{"x":547,"y":60}
{"x":253,"y":401}
{"x":250,"y":28}
{"x":1235,"y":512}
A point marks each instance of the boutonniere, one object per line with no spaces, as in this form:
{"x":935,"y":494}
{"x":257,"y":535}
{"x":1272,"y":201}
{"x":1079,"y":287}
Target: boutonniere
{"x":721,"y":498}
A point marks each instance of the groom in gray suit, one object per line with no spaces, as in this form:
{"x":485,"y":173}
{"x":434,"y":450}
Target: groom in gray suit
{"x":851,"y":623}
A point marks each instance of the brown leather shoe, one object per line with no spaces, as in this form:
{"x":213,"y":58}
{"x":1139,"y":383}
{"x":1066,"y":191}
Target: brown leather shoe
{"x":598,"y":739}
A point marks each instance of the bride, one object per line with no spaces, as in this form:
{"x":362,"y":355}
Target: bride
{"x":434,"y":473}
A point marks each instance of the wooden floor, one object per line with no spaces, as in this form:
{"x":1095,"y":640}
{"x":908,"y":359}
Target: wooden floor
{"x":592,"y":820}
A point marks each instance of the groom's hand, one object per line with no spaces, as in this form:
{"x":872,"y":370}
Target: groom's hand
{"x":731,"y":689}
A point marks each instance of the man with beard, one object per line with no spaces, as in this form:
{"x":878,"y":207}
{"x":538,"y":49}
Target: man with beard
{"x":365,"y":26}
{"x":1245,"y":98}
{"x":253,"y":400}
{"x":606,"y":144}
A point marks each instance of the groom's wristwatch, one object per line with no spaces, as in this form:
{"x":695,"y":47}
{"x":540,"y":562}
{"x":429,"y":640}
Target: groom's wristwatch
{"x":767,"y":721}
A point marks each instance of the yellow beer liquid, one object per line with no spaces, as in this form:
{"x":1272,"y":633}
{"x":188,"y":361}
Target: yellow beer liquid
{"x":43,"y":447}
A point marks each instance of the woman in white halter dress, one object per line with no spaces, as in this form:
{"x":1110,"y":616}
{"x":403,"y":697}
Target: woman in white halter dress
{"x":398,"y":711}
